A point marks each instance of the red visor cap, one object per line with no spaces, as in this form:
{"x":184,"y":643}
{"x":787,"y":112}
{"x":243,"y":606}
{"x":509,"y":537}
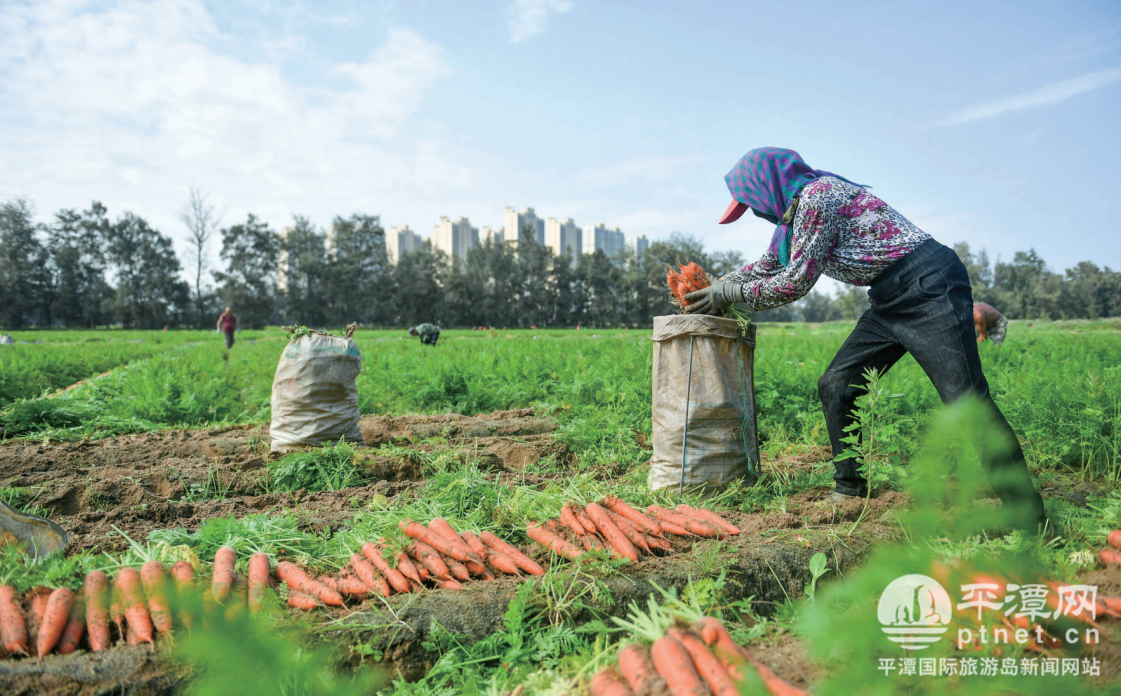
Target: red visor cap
{"x":734,"y":212}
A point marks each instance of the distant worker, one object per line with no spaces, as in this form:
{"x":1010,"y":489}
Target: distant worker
{"x":227,"y":324}
{"x":429,"y":333}
{"x":989,"y":323}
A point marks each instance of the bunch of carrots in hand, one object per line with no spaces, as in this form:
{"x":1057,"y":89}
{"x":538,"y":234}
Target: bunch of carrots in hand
{"x":623,"y":531}
{"x":697,"y":660}
{"x":690,"y":278}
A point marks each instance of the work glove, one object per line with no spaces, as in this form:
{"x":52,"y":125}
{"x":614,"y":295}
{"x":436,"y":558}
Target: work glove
{"x":714,"y":298}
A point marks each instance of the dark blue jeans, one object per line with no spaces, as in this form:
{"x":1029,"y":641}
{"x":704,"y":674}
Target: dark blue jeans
{"x":923,"y":305}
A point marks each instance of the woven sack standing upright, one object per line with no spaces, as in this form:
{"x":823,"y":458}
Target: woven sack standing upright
{"x":703,"y":407}
{"x":314,"y":396}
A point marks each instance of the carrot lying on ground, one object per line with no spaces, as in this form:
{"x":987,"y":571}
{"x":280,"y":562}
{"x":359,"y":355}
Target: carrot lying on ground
{"x":695,"y":526}
{"x":96,"y":589}
{"x":38,"y":598}
{"x":1109,"y":557}
{"x":184,"y":574}
{"x":135,"y":609}
{"x":299,"y":600}
{"x":223,"y":577}
{"x":296,"y":579}
{"x":431,"y":560}
{"x":396,"y":579}
{"x":674,"y":664}
{"x":441,"y":527}
{"x":623,"y":510}
{"x":520,"y":559}
{"x":675,"y":529}
{"x":710,"y":669}
{"x":607,"y":527}
{"x":735,"y":659}
{"x":639,"y":671}
{"x":260,"y":568}
{"x":568,"y":518}
{"x":503,"y":563}
{"x":551,"y":541}
{"x":351,"y":587}
{"x":630,"y":531}
{"x":55,"y":616}
{"x":586,"y":522}
{"x":459,"y":571}
{"x":1114,"y":538}
{"x":1111,"y":603}
{"x":437,"y":541}
{"x":369,"y":575}
{"x":75,"y":627}
{"x":475,"y":545}
{"x":13,"y":627}
{"x":448,"y":584}
{"x":605,"y":683}
{"x":710,"y":517}
{"x":154,"y":581}
{"x":407,"y":567}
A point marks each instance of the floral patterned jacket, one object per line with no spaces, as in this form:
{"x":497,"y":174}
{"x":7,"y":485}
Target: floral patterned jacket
{"x":840,"y":230}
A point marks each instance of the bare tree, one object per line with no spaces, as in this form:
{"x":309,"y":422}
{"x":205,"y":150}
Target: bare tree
{"x":202,"y":222}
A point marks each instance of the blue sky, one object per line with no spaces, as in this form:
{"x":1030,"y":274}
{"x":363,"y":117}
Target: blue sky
{"x":993,"y":122}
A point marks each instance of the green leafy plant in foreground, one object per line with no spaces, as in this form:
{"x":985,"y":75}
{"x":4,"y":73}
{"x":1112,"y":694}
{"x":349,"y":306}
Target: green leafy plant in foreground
{"x":329,"y":468}
{"x":817,"y":569}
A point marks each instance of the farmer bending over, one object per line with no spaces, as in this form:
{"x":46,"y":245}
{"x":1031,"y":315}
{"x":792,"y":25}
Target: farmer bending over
{"x":989,"y":323}
{"x":227,"y":323}
{"x":429,"y":333}
{"x":921,"y":301}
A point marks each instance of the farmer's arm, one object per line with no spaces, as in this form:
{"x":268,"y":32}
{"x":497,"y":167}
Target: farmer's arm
{"x":813,"y":242}
{"x":764,"y":267}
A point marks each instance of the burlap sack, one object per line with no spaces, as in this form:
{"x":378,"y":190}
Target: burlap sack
{"x":703,"y":411}
{"x":314,"y":397}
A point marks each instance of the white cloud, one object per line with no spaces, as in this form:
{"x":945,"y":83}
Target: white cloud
{"x":528,"y":17}
{"x":1047,"y":95}
{"x":134,"y":103}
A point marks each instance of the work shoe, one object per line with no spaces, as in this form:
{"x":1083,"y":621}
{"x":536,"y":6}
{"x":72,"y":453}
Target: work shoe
{"x":836,"y":497}
{"x":37,"y":536}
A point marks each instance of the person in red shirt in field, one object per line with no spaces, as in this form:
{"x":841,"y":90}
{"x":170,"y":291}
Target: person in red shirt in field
{"x":227,"y":324}
{"x":989,"y":323}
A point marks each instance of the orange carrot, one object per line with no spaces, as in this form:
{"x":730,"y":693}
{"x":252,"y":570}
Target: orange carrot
{"x":772,"y":681}
{"x":136,"y":609}
{"x":710,"y":517}
{"x":619,"y":542}
{"x":154,"y":581}
{"x":296,"y":579}
{"x":605,"y":683}
{"x":568,"y":519}
{"x":1053,"y":601}
{"x":585,"y":521}
{"x":630,"y":531}
{"x":223,"y":577}
{"x":38,"y":597}
{"x":503,"y":563}
{"x":475,"y":545}
{"x":373,"y":552}
{"x":520,"y":559}
{"x":623,"y":510}
{"x":260,"y":568}
{"x":441,"y":527}
{"x":1113,"y":604}
{"x":299,"y":600}
{"x":448,"y":584}
{"x":184,"y":574}
{"x":1114,"y":538}
{"x":437,"y":541}
{"x":639,"y":671}
{"x":431,"y":560}
{"x":459,"y":571}
{"x":701,"y":529}
{"x":551,"y":541}
{"x":586,"y":542}
{"x":734,"y":658}
{"x":13,"y":628}
{"x":75,"y":627}
{"x":674,"y":664}
{"x":369,"y":575}
{"x":55,"y":616}
{"x":352,"y":587}
{"x":1109,"y":557}
{"x":710,"y":669}
{"x":659,"y":543}
{"x":422,"y":572}
{"x":117,"y":609}
{"x":407,"y":567}
{"x":478,"y":570}
{"x":674,"y":529}
{"x":96,"y":589}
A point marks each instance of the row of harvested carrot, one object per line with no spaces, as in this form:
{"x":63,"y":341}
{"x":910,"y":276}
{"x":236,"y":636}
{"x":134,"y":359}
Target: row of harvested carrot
{"x":693,"y":661}
{"x":624,"y":531}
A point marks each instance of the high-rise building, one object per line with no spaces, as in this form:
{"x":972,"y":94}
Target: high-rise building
{"x":455,"y":238}
{"x":563,"y":237}
{"x":637,"y":243}
{"x":599,"y":237}
{"x":282,"y":262}
{"x":496,"y":235}
{"x":516,"y":224}
{"x":400,"y":241}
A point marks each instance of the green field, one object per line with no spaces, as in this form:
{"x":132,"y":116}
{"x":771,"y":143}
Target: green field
{"x":1059,"y":384}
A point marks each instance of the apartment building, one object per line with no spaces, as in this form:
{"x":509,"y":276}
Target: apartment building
{"x":455,"y":238}
{"x":598,"y":236}
{"x":496,"y":235}
{"x":516,"y":223}
{"x":402,"y":240}
{"x":563,"y":237}
{"x":637,"y":243}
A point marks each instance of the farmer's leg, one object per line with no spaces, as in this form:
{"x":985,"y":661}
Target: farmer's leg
{"x":870,"y":345}
{"x":435,"y":337}
{"x":938,"y":330}
{"x":229,"y":339}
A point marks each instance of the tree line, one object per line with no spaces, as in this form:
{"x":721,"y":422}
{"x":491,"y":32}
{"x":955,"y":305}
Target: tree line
{"x":84,"y":270}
